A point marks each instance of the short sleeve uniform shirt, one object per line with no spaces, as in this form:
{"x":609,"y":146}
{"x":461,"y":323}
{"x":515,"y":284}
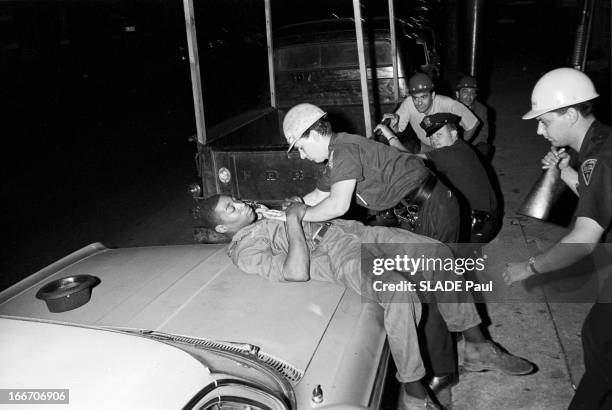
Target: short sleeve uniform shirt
{"x":384,"y":174}
{"x":595,"y":177}
{"x":461,"y":167}
{"x":408,"y":114}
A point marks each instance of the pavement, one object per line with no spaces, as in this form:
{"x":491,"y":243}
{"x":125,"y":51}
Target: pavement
{"x":526,"y":324}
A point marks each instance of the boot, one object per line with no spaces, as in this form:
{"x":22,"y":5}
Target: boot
{"x":489,"y":356}
{"x":408,"y":402}
{"x":441,"y":388}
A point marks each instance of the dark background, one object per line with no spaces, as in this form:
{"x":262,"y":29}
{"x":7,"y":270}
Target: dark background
{"x":95,"y":96}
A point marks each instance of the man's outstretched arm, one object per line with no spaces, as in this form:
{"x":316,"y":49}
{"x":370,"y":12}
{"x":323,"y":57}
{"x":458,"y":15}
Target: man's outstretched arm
{"x":297,"y":264}
{"x":335,"y":205}
{"x":314,"y":197}
{"x":584,"y":236}
{"x":394,"y":141}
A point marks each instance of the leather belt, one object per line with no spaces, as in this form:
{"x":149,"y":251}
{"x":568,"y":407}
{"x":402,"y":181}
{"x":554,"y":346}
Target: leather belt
{"x":320,"y":233}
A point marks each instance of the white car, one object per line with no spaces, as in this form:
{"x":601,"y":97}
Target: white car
{"x":180,"y":327}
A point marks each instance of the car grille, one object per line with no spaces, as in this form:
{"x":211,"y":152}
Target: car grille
{"x":291,"y":373}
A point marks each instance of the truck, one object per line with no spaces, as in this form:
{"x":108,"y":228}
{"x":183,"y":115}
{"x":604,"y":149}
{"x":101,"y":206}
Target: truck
{"x":316,"y":62}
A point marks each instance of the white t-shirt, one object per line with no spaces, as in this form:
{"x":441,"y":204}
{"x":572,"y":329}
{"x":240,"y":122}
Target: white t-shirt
{"x":408,"y":114}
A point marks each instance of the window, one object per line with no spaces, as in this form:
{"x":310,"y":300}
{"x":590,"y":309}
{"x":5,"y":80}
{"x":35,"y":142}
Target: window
{"x":329,"y":55}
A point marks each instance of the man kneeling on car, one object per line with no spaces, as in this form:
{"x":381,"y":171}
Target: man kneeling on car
{"x":297,"y":251}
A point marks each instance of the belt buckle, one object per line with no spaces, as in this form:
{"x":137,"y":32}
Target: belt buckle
{"x":316,"y":239}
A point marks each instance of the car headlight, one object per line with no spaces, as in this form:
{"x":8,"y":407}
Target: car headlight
{"x":235,"y":394}
{"x":195,"y":190}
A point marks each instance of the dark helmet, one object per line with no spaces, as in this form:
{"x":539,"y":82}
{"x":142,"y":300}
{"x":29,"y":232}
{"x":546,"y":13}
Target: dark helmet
{"x":419,"y":82}
{"x":467,"y":81}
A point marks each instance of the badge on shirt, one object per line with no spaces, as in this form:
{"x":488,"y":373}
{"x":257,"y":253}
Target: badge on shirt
{"x":587,"y":168}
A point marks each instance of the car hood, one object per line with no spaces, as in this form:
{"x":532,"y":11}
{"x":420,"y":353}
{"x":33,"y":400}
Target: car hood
{"x":99,"y":369}
{"x":191,"y":290}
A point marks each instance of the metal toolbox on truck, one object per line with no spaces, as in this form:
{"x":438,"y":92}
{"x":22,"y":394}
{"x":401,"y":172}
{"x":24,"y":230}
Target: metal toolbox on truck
{"x":267,"y":175}
{"x":247,"y":158}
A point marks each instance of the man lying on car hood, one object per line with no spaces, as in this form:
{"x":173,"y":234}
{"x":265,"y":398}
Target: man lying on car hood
{"x":297,"y":251}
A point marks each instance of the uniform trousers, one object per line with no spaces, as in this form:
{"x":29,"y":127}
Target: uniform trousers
{"x":440,"y":219}
{"x":348,"y":244}
{"x":402,"y":313}
{"x":594,"y":391}
{"x":437,"y":349}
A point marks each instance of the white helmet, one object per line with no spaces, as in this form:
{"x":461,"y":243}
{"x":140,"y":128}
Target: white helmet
{"x":298,"y":119}
{"x":560,"y":88}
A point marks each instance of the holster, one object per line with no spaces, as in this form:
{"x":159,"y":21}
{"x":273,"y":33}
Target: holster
{"x":482,"y":225}
{"x":408,"y":209}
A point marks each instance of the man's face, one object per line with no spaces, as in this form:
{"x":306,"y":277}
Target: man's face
{"x":444,"y":137}
{"x":314,"y":148}
{"x":234,"y":214}
{"x":423,"y":100}
{"x":467,"y":96}
{"x":555,"y":128}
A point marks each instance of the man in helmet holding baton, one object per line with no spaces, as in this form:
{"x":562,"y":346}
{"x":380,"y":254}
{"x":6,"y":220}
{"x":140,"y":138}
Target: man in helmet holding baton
{"x":561,"y":102}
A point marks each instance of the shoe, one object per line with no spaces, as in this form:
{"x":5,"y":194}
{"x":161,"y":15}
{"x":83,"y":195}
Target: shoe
{"x":438,"y":383}
{"x":408,"y":402}
{"x":441,"y":387}
{"x":488,"y":356}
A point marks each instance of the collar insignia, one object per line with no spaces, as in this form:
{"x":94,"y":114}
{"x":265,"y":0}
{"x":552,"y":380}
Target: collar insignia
{"x":587,"y":168}
{"x":330,"y":161}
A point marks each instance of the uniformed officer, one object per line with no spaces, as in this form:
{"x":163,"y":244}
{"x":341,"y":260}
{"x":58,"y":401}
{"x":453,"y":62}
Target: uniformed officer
{"x":466,"y":92}
{"x":382,"y":178}
{"x":457,"y":163}
{"x":424,"y":101}
{"x":561,"y":102}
